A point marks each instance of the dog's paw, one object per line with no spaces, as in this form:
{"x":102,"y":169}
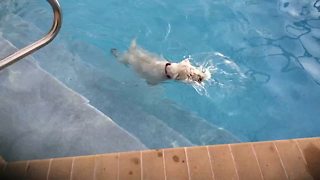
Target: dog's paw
{"x":114,"y":52}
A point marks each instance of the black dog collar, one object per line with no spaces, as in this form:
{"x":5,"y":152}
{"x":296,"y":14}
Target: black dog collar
{"x":166,"y":72}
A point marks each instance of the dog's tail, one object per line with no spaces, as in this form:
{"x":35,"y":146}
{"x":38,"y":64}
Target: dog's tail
{"x":133,"y":44}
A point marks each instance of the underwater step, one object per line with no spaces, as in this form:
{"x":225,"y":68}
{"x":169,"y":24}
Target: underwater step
{"x":196,"y":129}
{"x":113,"y":90}
{"x":42,"y":118}
{"x":108,"y":95}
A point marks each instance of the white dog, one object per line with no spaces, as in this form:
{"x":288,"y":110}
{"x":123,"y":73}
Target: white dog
{"x":156,"y":69}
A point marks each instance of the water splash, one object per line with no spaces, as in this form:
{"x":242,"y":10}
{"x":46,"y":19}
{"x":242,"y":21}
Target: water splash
{"x":225,"y":73}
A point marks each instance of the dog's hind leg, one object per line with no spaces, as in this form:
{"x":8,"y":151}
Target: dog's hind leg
{"x":114,"y":52}
{"x":119,"y":56}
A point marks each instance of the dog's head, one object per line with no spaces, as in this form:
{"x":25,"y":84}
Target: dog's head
{"x":185,"y":71}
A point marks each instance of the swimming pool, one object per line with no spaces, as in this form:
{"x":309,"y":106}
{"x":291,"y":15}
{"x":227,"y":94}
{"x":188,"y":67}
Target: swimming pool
{"x":274,"y":45}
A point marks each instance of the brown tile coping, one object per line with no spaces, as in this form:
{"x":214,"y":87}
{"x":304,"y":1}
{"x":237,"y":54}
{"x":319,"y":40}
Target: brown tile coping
{"x":106,"y":167}
{"x":246,"y":162}
{"x":60,"y":169}
{"x":37,"y":169}
{"x":153,"y":165}
{"x":286,"y":159}
{"x":130,"y":166}
{"x":3,"y":165}
{"x":292,"y":160}
{"x":269,"y":161}
{"x":175,"y":163}
{"x":222,"y":162}
{"x":199,"y":163}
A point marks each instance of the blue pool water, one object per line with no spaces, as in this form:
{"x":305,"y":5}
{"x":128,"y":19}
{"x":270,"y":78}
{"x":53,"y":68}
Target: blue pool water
{"x":271,"y":92}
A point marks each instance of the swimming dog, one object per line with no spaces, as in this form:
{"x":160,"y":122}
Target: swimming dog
{"x":155,"y":69}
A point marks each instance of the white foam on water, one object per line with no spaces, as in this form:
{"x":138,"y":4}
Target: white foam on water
{"x":224,"y":72}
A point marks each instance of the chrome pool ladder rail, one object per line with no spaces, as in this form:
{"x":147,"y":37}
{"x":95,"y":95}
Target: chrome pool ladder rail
{"x":57,"y":21}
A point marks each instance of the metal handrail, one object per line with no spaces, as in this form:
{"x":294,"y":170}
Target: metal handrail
{"x":41,"y":42}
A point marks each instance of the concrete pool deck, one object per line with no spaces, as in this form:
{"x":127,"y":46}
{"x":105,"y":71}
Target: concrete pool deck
{"x":284,"y":159}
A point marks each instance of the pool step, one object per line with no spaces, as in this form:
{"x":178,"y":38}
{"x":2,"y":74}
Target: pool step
{"x":40,"y":114}
{"x":110,"y":100}
{"x":194,"y":128}
{"x":102,"y":91}
{"x":78,"y":65}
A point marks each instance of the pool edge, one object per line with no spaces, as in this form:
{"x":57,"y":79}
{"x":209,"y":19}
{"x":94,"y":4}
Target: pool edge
{"x":280,"y":159}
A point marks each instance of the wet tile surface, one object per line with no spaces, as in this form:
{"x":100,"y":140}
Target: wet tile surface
{"x":292,"y":160}
{"x":2,"y":167}
{"x":130,"y":166}
{"x":176,"y":164}
{"x":60,"y":169}
{"x":269,"y":160}
{"x":275,"y":160}
{"x":83,"y":168}
{"x":37,"y":170}
{"x":153,"y":165}
{"x":310,"y":148}
{"x":222,"y":162}
{"x":246,"y":162}
{"x":16,"y":171}
{"x":106,"y":167}
{"x":199,"y":163}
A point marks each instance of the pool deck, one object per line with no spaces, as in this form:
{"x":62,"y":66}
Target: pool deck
{"x":285,"y":159}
